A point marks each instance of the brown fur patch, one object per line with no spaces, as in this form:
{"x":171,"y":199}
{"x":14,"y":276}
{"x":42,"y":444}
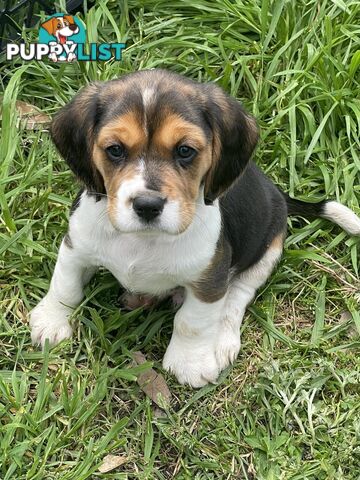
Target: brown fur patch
{"x":215,"y":158}
{"x":125,"y":129}
{"x":213,"y":283}
{"x":175,"y":129}
{"x":234,"y":139}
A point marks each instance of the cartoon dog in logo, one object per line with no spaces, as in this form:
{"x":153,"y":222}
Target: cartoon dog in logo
{"x":61,"y":28}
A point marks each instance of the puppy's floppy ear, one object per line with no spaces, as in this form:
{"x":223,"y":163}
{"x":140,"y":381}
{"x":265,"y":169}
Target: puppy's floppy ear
{"x":73,"y":130}
{"x":235,"y":135}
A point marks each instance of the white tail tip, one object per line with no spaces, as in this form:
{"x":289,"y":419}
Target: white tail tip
{"x":342,"y":216}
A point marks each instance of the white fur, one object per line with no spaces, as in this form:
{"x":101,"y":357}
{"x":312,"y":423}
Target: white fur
{"x":342,"y":216}
{"x":147,"y":95}
{"x":147,"y":262}
{"x":126,"y":219}
{"x":191,"y":354}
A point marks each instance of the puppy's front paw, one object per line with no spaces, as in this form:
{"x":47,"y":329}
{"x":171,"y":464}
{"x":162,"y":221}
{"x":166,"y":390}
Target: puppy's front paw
{"x":49,"y":321}
{"x":193,"y":363}
{"x":227,"y":347}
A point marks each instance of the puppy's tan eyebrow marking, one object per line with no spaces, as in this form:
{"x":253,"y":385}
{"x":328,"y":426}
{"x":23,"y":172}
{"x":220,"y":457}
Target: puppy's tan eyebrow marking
{"x":125,"y":129}
{"x":174,"y":128}
{"x":278,"y":241}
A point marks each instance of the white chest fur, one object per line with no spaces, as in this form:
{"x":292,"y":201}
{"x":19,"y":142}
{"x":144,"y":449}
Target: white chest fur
{"x":145,"y":262}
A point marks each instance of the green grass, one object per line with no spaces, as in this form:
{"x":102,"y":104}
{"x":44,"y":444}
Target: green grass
{"x":289,"y":408}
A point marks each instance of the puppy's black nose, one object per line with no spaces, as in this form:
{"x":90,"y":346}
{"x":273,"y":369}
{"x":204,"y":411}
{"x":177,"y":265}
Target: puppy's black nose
{"x":73,"y":27}
{"x":148,"y":208}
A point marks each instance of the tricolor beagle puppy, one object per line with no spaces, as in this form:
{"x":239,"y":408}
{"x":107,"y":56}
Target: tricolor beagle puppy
{"x":171,"y":199}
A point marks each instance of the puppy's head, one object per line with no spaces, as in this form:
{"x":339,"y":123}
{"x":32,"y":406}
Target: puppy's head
{"x":157,"y":144}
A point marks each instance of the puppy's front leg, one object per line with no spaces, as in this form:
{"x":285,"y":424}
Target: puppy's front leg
{"x":191,"y":354}
{"x":50,"y":318}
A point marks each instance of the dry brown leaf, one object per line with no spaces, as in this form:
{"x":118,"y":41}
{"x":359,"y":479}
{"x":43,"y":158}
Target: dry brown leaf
{"x":152,"y":384}
{"x":30,"y":116}
{"x":110,"y":462}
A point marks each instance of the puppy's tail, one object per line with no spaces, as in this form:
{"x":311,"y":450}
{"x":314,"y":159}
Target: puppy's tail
{"x":329,"y":209}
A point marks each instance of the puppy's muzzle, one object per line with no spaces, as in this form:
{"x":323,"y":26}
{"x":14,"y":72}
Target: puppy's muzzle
{"x":148,"y":207}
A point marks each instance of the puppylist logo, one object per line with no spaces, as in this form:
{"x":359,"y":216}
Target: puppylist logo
{"x":62,"y":38}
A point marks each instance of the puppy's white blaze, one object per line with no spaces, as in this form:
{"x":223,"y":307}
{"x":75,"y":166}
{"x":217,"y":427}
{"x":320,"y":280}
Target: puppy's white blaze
{"x":342,"y":216}
{"x":147,"y":95}
{"x":130,"y":189}
{"x":126,"y":218}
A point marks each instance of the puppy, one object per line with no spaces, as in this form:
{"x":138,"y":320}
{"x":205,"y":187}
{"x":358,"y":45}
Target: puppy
{"x":170,"y":199}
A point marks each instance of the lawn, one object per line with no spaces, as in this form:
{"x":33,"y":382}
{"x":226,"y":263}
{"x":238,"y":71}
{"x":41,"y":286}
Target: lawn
{"x":289,"y":408}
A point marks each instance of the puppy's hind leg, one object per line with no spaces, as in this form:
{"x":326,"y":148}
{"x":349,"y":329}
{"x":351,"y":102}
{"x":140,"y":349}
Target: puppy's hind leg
{"x":240,"y":294}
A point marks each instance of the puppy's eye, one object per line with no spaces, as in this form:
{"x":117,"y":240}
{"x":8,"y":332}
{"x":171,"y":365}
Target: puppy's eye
{"x":116,"y":152}
{"x":59,"y":25}
{"x":185,"y":154}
